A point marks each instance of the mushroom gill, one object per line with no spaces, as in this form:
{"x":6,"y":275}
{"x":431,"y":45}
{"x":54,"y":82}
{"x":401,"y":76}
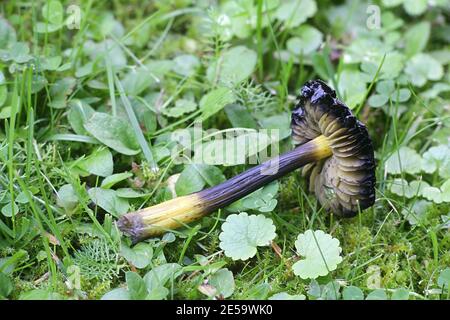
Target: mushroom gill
{"x":345,"y":182}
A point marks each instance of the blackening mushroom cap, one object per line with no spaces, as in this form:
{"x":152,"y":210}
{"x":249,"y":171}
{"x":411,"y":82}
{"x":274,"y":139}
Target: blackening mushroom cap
{"x":345,"y":182}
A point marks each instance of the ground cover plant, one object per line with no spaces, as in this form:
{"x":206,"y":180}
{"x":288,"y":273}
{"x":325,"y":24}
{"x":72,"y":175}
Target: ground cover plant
{"x":103,"y":105}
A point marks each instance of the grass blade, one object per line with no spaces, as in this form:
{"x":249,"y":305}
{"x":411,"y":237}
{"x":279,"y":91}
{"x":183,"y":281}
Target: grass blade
{"x":136,"y":127}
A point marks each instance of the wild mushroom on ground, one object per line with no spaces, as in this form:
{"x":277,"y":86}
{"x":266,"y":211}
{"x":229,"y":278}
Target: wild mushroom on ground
{"x":333,"y":147}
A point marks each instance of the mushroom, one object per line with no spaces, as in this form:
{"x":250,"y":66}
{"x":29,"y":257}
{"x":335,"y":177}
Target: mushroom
{"x":333,"y":147}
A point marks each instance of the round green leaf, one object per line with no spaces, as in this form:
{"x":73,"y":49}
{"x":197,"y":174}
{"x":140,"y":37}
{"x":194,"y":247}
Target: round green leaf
{"x":223,"y":281}
{"x":321,"y":254}
{"x":242,"y":234}
{"x":139,"y":256}
{"x":10,"y":209}
{"x":99,"y":163}
{"x":233,"y":67}
{"x":189,"y":181}
{"x":66,"y":197}
{"x":402,"y":95}
{"x":114,"y":132}
{"x":109,"y":201}
{"x":377,"y":294}
{"x":352,"y":293}
{"x":185,"y":65}
{"x":378,"y":100}
{"x":406,"y":160}
{"x":308,"y":40}
{"x":400,"y":294}
{"x":415,"y":7}
{"x":53,"y":12}
{"x":386,"y":87}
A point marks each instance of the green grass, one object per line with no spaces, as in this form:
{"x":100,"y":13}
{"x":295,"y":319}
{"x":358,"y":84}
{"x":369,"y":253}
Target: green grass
{"x":61,"y":245}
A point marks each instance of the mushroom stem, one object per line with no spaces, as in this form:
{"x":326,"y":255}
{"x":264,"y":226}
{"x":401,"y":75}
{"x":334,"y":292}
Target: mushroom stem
{"x":174,"y":213}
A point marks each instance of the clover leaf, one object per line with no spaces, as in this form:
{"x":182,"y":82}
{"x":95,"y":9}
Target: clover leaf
{"x":386,"y":91}
{"x":242,"y":234}
{"x":392,"y":66}
{"x":10,"y":209}
{"x":79,"y":112}
{"x":53,"y":13}
{"x":60,"y":91}
{"x":321,"y":253}
{"x":150,"y":287}
{"x":18,"y":52}
{"x":262,"y":200}
{"x":249,"y":143}
{"x":423,"y":67}
{"x":159,"y":276}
